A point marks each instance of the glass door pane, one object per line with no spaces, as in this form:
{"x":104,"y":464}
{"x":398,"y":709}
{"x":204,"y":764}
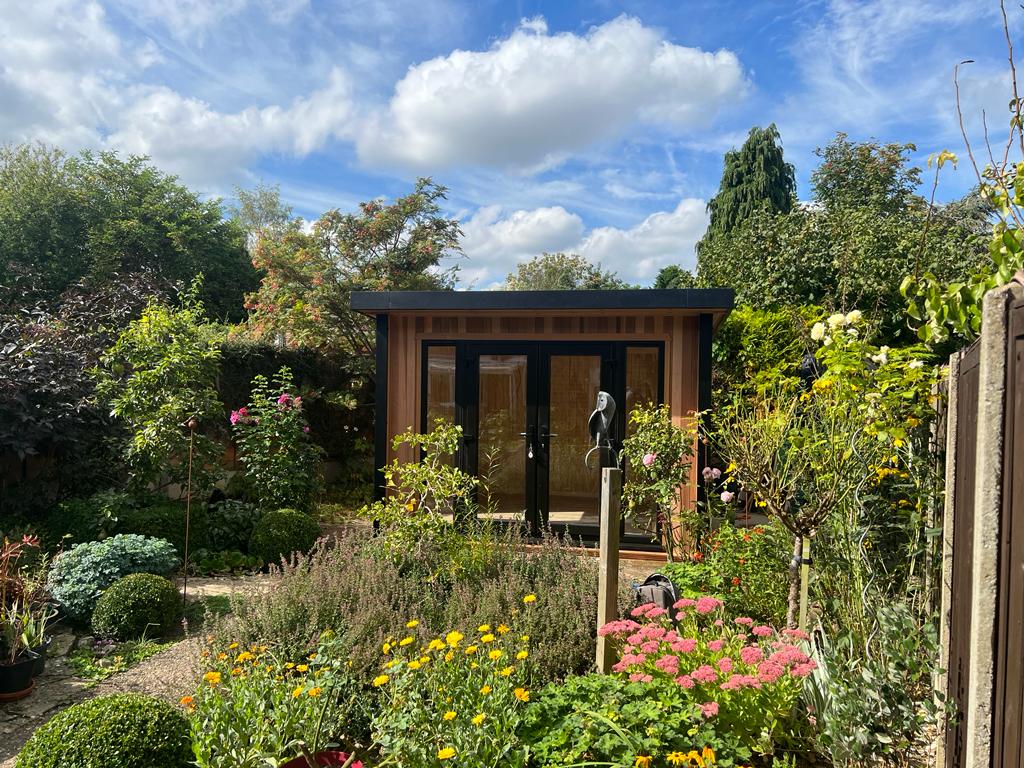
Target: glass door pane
{"x":574,"y":484}
{"x":642,"y":369}
{"x":502,"y":449}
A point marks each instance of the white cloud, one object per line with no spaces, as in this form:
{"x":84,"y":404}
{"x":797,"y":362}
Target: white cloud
{"x":534,"y":97}
{"x":494,"y":244}
{"x":187,"y":19}
{"x":663,"y":238}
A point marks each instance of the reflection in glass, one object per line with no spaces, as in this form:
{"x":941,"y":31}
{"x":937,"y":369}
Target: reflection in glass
{"x":502,"y":450}
{"x":641,"y":389}
{"x":440,"y":385}
{"x":574,"y":489}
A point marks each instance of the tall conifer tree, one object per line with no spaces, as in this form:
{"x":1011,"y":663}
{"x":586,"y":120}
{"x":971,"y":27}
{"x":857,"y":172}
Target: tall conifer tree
{"x":755,"y":177}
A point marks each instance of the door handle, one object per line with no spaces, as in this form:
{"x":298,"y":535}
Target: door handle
{"x":529,"y":443}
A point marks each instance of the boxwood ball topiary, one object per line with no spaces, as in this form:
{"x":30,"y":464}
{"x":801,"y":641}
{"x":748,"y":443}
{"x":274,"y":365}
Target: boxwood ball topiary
{"x":137,"y":605}
{"x":278,"y":534}
{"x":126,"y":730}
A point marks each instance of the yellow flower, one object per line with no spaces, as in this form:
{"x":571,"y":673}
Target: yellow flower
{"x":302,"y":668}
{"x":898,"y":443}
{"x":310,"y":657}
{"x":531,"y":598}
{"x":502,"y":629}
{"x":494,"y":655}
{"x":695,"y":759}
{"x":449,"y":656}
{"x":314,"y":692}
{"x":478,"y":720}
{"x":474,"y":665}
{"x":731,"y":468}
{"x":414,"y":665}
{"x":449,"y":715}
{"x":213,"y":678}
{"x":642,"y":761}
{"x":488,"y":638}
{"x":243,"y":657}
{"x":232,"y":646}
{"x":709,"y":755}
{"x":221,"y":656}
{"x":485,"y":690}
{"x":380,"y":680}
{"x":676,"y":758}
{"x":436,"y":645}
{"x":289,"y":665}
{"x":453,"y":638}
{"x":412,"y":624}
{"x":507,"y":671}
{"x":446,"y":753}
{"x":470,"y":650}
{"x":404,"y":642}
{"x":522,"y":694}
{"x":188,"y":702}
{"x":484,"y":628}
{"x":525,"y":638}
{"x":297,"y":692}
{"x":522,"y":655}
{"x":236,"y":671}
{"x":387,"y":648}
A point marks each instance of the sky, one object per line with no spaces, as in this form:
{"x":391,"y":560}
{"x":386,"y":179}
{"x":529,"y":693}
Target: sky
{"x":592,"y":127}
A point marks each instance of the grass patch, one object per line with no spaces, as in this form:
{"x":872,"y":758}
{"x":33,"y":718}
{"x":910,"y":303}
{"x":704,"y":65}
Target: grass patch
{"x":103,"y":660}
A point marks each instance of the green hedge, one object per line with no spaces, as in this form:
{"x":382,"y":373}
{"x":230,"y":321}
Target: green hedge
{"x":166,"y":520}
{"x":138,"y":605}
{"x":126,"y":730}
{"x":280,"y":533}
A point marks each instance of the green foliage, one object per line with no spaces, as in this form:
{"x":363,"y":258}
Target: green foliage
{"x":88,"y":519}
{"x":304,"y":296}
{"x":873,"y":704}
{"x":100,"y":217}
{"x":755,"y":178}
{"x":158,"y":376}
{"x":281,"y":533}
{"x":420,"y":494}
{"x":230,"y":524}
{"x":78,"y":576}
{"x":125,"y":730}
{"x":281,"y":464}
{"x":606,"y":720}
{"x":674,"y":276}
{"x":658,"y":454}
{"x":745,"y":568}
{"x":232,"y":561}
{"x":458,"y":695}
{"x":166,"y":520}
{"x":251,"y":709}
{"x":866,"y":174}
{"x":753,"y":344}
{"x":138,"y":605}
{"x":561,"y":272}
{"x":853,"y":247}
{"x":105,"y":659}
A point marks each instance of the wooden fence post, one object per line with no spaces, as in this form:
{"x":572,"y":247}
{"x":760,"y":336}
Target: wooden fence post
{"x":608,"y":577}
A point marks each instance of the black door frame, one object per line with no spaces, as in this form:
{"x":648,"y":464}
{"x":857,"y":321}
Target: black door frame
{"x":613,"y":354}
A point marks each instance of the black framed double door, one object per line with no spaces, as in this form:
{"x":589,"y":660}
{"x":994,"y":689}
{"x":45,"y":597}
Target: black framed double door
{"x":526,"y":412}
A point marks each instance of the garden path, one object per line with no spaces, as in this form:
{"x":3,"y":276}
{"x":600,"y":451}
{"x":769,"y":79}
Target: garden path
{"x":168,"y":674}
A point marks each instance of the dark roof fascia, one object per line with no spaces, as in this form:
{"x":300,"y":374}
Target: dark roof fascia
{"x":715,"y":300}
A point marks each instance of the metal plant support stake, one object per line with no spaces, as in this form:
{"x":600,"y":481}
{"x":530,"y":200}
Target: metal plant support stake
{"x":192,"y":424}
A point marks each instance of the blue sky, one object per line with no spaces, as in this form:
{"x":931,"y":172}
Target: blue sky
{"x":597,"y":127}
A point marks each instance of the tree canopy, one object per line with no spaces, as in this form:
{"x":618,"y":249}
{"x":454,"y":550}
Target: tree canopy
{"x":561,"y":272}
{"x":674,"y":276}
{"x":68,"y":218}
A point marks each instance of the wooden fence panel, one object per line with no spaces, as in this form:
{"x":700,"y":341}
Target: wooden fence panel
{"x":1008,"y":712}
{"x":965,"y":453}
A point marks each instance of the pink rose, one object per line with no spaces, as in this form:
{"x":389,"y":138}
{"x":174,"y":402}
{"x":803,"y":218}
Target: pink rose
{"x":649,"y":459}
{"x":728,"y":496}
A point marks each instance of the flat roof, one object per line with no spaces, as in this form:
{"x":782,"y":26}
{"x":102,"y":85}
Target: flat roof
{"x":714,"y":300}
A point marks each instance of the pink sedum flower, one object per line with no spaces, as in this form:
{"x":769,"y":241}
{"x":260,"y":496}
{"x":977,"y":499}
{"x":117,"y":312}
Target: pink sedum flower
{"x":709,"y":709}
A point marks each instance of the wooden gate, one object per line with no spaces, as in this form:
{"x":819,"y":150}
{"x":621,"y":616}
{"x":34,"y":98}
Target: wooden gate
{"x":965,"y":453}
{"x":1008,"y":711}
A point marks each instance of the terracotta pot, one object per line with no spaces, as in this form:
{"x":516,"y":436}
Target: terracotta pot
{"x":328,"y":758}
{"x":40,"y":663}
{"x":16,"y":679}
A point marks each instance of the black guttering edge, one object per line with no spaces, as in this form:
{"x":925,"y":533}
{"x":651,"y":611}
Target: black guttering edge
{"x":374,"y":302}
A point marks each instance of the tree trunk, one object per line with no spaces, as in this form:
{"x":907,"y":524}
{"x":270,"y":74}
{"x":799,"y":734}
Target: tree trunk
{"x":794,"y":583}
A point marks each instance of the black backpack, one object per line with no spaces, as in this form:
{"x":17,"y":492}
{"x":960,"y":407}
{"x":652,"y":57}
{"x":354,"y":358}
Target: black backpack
{"x":658,"y":589}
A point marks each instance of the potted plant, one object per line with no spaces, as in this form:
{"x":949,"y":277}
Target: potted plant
{"x":36,"y":639}
{"x":321,"y":759}
{"x":17,"y":660}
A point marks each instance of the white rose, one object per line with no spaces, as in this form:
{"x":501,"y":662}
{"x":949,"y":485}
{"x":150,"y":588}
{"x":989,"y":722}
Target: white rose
{"x":818,"y":331}
{"x":915,"y":364}
{"x":854,"y":316}
{"x":881,"y":358}
{"x":838,"y":320}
